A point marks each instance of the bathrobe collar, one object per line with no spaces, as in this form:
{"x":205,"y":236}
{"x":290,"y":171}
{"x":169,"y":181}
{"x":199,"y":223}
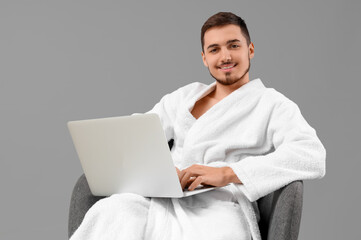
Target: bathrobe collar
{"x":244,"y":89}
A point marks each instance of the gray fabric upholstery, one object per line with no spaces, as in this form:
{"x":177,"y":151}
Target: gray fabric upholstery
{"x":280,"y":211}
{"x":81,"y":200}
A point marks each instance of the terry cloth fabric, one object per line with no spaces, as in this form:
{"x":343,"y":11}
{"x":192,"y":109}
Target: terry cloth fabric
{"x":258,"y":132}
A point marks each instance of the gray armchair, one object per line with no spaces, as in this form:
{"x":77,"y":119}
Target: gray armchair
{"x":280,"y":211}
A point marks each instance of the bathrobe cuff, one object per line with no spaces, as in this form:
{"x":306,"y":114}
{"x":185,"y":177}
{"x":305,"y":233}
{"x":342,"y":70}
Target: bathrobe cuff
{"x":247,"y":187}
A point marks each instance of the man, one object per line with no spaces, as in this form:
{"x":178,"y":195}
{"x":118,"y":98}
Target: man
{"x":234,"y":133}
{"x":226,"y":53}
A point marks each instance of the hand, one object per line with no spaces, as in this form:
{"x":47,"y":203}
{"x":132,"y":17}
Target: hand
{"x":200,"y":174}
{"x":179,"y":176}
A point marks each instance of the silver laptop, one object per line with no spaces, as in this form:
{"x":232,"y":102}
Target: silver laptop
{"x":127,"y":154}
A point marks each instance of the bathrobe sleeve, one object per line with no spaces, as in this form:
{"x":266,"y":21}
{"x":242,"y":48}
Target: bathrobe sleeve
{"x":166,"y":109}
{"x":298,"y":155}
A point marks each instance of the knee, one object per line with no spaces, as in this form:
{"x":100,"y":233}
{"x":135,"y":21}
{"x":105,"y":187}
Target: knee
{"x":125,"y":201}
{"x":127,"y":197}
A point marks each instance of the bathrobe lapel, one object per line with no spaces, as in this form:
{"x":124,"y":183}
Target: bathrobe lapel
{"x":205,"y":128}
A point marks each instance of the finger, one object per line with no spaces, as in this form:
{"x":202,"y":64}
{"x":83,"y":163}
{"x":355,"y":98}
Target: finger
{"x":195,"y":183}
{"x":190,"y":182}
{"x":185,"y":179}
{"x":184,"y":176}
{"x":194,"y":171}
{"x":181,"y":174}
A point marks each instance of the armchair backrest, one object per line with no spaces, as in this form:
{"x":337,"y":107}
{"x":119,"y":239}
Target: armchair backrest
{"x":281,"y":212}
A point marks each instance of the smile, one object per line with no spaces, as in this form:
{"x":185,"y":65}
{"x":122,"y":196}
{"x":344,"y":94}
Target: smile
{"x":227,"y":67}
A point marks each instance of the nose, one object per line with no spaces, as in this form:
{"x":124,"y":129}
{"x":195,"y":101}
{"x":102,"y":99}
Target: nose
{"x":226,"y":55}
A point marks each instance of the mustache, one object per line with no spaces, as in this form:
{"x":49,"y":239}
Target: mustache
{"x":227,"y":63}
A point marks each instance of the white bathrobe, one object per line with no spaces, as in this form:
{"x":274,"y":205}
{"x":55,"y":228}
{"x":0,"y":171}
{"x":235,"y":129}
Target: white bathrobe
{"x":256,"y":131}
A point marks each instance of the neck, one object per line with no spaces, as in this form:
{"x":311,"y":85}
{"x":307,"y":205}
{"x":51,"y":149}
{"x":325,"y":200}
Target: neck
{"x":221,"y":90}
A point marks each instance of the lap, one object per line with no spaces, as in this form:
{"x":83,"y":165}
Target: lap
{"x":212,"y":215}
{"x":115,"y":216}
{"x":118,"y":206}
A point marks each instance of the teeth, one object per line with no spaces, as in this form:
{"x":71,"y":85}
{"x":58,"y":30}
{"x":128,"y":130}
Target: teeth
{"x":227,"y":67}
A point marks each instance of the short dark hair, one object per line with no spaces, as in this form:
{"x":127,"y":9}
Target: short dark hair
{"x":225,"y":18}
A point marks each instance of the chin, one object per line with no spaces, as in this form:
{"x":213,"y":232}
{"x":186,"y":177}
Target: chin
{"x":233,"y":78}
{"x":226,"y":82}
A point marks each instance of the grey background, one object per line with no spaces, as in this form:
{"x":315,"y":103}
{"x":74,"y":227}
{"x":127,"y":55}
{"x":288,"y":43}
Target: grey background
{"x":69,"y":60}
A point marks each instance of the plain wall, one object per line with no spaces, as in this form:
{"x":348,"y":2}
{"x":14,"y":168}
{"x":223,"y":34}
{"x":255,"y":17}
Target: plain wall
{"x":71,"y":60}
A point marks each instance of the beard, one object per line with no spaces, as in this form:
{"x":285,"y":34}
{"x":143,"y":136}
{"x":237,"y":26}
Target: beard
{"x":229,"y":79}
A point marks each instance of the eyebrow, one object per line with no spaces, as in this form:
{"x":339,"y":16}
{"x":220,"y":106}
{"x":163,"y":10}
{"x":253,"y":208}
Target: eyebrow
{"x":228,"y":42}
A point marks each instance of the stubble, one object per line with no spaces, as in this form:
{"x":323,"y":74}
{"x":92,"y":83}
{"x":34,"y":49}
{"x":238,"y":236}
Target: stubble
{"x":229,"y":79}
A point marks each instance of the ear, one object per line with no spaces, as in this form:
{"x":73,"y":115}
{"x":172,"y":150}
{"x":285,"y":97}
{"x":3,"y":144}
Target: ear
{"x":204,"y":59}
{"x":251,"y":50}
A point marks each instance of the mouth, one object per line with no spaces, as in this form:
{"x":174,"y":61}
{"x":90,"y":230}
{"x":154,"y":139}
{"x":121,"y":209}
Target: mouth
{"x":227,"y":67}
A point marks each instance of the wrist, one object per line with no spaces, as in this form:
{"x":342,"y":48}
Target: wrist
{"x":230,"y":176}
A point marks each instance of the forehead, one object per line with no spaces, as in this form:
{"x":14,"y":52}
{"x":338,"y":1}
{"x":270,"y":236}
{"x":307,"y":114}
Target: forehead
{"x":220,"y":35}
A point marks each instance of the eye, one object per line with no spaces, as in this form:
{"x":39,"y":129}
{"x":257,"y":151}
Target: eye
{"x":213,"y":50}
{"x":234,"y":46}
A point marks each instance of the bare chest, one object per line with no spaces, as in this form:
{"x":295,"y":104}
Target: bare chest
{"x":202,"y":106}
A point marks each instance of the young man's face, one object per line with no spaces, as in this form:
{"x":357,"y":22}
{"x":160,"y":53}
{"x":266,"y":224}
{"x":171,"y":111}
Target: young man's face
{"x":227,"y":55}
